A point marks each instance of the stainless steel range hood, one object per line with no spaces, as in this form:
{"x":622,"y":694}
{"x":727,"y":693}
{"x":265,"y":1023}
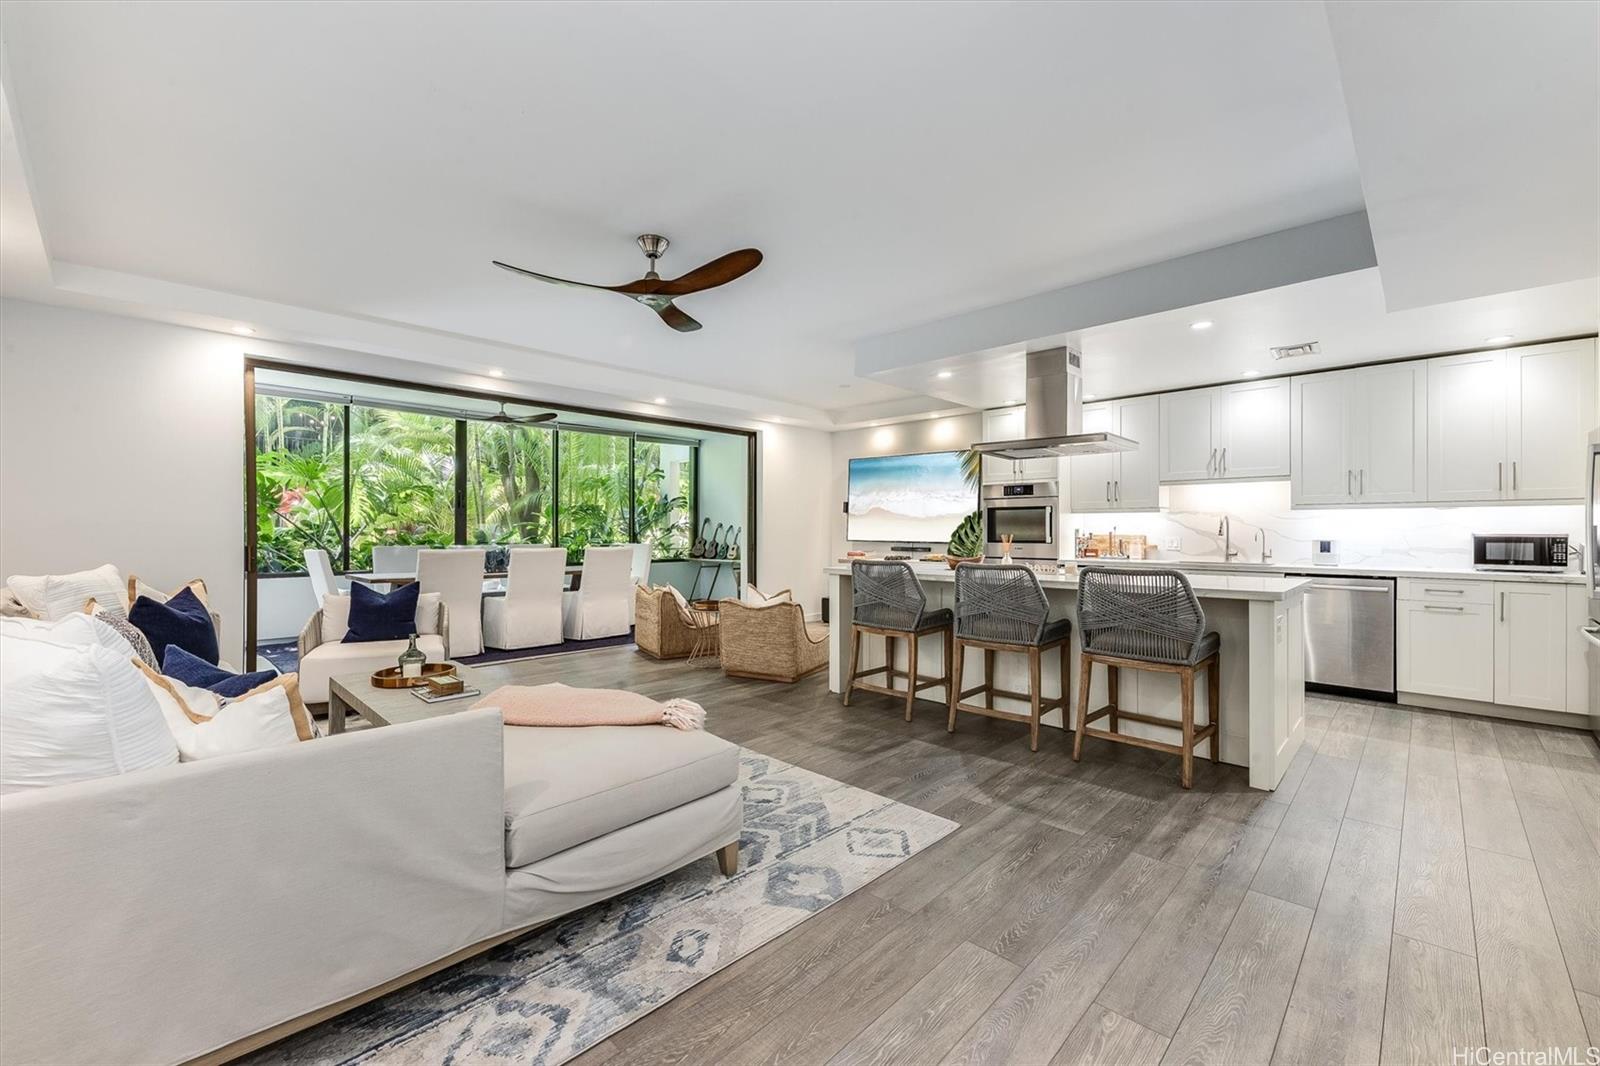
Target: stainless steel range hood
{"x":1054,"y":414}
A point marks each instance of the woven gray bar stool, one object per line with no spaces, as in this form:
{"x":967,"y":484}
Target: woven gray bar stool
{"x":888,"y":602}
{"x":1145,"y":620}
{"x":1002,"y":608}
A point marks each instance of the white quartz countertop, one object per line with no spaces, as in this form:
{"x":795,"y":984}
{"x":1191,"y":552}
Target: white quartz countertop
{"x":1193,"y":566}
{"x":1207,"y":586}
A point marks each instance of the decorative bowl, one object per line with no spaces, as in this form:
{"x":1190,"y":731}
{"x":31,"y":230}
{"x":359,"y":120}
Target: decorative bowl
{"x":389,"y":676}
{"x":957,"y":560}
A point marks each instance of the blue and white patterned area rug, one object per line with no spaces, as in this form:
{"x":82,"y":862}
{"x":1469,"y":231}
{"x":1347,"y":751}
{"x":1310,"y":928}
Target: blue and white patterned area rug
{"x":808,"y":842}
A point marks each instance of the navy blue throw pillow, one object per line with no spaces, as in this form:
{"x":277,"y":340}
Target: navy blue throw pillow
{"x":182,"y":620}
{"x":193,"y":670}
{"x":377,"y":616}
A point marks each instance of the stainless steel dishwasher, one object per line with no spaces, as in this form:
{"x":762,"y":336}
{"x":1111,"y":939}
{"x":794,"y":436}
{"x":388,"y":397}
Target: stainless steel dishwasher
{"x":1349,"y":623}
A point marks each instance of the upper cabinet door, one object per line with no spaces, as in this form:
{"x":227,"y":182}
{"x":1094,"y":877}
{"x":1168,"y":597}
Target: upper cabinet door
{"x":1467,"y":428}
{"x":1390,"y":455}
{"x":1255,"y":430}
{"x":1003,"y":423}
{"x":1090,"y":477}
{"x":1321,"y":421}
{"x":1187,"y":439}
{"x":1550,"y":407}
{"x":1138,"y":482}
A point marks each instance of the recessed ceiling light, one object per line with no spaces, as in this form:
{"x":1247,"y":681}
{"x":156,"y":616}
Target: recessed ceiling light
{"x":659,"y":400}
{"x":497,"y":373}
{"x":1251,"y":374}
{"x":244,"y":331}
{"x":1012,"y":403}
{"x":1088,"y":396}
{"x":1204,"y":323}
{"x":1499,"y":338}
{"x":943,"y":374}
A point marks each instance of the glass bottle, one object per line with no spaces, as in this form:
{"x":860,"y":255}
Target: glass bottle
{"x":411,"y":660}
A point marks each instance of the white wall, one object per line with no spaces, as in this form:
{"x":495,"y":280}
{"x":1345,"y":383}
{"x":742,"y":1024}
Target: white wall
{"x":925,"y":435}
{"x":122,"y":440}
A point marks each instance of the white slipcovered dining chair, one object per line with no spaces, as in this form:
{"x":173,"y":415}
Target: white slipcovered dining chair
{"x":320,"y":570}
{"x":529,"y":614}
{"x":639,"y":572}
{"x":394,"y":559}
{"x":457,"y":575}
{"x":600,"y":606}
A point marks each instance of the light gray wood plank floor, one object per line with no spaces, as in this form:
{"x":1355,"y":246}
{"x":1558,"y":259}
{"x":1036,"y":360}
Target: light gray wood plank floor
{"x":1423,"y":881}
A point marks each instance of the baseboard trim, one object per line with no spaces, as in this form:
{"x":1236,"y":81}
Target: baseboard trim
{"x":1528,"y":715}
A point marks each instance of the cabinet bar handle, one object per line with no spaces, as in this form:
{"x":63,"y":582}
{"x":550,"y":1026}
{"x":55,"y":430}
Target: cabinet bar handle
{"x":1499,"y":476}
{"x":1502,"y":607}
{"x":1513,"y":475}
{"x":1349,"y":482}
{"x":1116,"y":491}
{"x":1361,"y":482}
{"x":1108,"y":492}
{"x":1453,"y":592}
{"x":1222,"y":464}
{"x":1436,"y":607}
{"x":1211,"y":462}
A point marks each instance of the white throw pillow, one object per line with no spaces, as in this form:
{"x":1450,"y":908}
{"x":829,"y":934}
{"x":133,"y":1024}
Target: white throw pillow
{"x":75,"y":630}
{"x":53,"y":596}
{"x":336,"y":615}
{"x":756,"y":598}
{"x":205,"y":726}
{"x":73,"y":713}
{"x":137,"y":587}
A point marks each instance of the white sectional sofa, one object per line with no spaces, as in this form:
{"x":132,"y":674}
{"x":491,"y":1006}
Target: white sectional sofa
{"x":202,"y":909}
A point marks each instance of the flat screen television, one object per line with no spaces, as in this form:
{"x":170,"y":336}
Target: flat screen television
{"x":908,"y":499}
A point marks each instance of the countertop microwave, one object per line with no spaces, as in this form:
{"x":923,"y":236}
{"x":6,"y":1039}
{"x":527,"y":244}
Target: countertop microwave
{"x":1540,"y":552}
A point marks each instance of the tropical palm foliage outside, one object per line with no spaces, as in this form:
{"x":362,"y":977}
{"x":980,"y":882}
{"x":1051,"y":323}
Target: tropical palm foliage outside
{"x":402,"y":484}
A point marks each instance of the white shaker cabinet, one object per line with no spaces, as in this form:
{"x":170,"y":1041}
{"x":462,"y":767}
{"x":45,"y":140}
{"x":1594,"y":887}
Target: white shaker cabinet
{"x":1550,"y":408}
{"x":1359,"y":436}
{"x":1231,"y":432}
{"x":1010,"y":423}
{"x":1445,"y":649}
{"x":1119,"y":481}
{"x":1510,"y":424}
{"x":1530,"y":645}
{"x":1254,"y":424}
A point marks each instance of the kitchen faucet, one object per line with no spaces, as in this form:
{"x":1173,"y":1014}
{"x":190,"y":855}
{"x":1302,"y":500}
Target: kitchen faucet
{"x":1225,"y":531}
{"x":1261,"y":543}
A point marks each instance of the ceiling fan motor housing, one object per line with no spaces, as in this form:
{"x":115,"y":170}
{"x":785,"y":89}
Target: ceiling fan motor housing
{"x":653,"y":244}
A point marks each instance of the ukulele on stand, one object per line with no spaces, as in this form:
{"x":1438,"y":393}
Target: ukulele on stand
{"x":713,"y":545}
{"x":731,"y":549}
{"x":699,"y":549}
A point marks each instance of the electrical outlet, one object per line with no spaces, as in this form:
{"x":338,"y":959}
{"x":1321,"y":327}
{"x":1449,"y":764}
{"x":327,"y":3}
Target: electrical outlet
{"x":1172,"y":544}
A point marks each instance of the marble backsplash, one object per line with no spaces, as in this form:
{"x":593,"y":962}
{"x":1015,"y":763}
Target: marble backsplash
{"x":1259,"y":513}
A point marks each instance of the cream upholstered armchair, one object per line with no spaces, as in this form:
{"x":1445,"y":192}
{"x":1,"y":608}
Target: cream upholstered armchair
{"x":772,"y":642}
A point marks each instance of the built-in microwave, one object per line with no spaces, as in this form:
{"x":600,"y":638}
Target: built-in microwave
{"x":1027,"y":512}
{"x":1546,"y":552}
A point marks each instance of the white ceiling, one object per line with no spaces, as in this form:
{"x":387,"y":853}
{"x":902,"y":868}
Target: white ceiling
{"x":894,"y":164}
{"x":342,"y":174}
{"x":1345,"y":314}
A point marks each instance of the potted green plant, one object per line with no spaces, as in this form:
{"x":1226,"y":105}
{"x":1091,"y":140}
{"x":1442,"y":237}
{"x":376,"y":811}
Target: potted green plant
{"x":966,"y":543}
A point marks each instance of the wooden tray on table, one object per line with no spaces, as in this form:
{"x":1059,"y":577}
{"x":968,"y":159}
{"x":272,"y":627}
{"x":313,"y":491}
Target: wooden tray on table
{"x":389,"y":676}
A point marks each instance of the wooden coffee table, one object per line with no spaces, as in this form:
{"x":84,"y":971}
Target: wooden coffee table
{"x":392,"y":706}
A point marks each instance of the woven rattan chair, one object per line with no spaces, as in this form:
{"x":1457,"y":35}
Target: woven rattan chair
{"x":888,"y":602}
{"x":1145,"y":619}
{"x":1002,"y":608}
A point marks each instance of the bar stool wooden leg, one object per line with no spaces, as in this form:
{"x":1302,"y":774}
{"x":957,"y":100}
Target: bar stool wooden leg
{"x":855,"y":663}
{"x":888,"y":662}
{"x":1035,"y":697}
{"x":988,"y":679}
{"x":1084,"y":669}
{"x":949,"y":654}
{"x":1186,"y":774}
{"x":1111,"y":697}
{"x":1213,"y":692}
{"x":955,"y":688}
{"x":911,"y":673}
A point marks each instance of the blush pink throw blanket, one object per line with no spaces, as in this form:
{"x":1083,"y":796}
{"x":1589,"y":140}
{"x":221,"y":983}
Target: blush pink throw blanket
{"x":560,"y":705}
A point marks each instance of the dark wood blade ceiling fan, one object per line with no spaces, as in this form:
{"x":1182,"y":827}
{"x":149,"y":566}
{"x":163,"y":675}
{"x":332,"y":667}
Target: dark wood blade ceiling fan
{"x":656,"y":292}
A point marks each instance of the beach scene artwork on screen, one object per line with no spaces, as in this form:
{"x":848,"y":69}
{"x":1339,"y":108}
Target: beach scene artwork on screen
{"x":918,"y":499}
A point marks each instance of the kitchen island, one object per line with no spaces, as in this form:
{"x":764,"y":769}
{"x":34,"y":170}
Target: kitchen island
{"x":1258,"y":618}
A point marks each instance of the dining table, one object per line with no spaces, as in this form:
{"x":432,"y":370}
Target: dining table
{"x":494,"y":581}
